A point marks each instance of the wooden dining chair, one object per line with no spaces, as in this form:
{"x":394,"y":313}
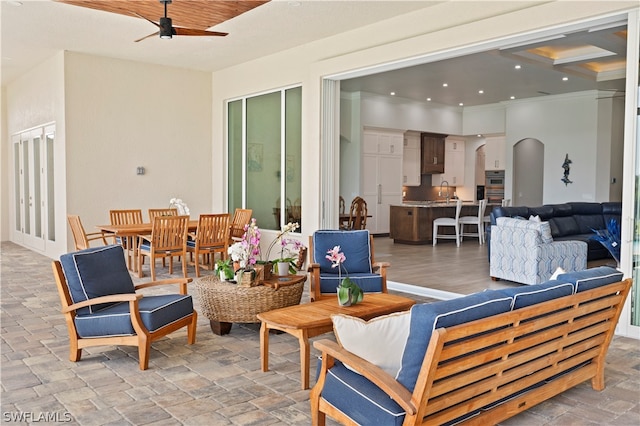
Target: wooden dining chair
{"x":168,"y":238}
{"x":241,"y":218}
{"x":127,"y":217}
{"x":358,"y":214}
{"x":211,"y":237}
{"x":80,"y":238}
{"x":153,"y":213}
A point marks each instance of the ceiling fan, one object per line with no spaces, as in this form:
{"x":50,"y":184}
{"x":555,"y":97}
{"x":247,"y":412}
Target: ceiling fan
{"x":167,"y":30}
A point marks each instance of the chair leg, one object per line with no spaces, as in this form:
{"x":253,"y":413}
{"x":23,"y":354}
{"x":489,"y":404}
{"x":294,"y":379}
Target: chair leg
{"x":144,"y":347}
{"x":458,"y":233}
{"x":140,"y":259}
{"x":184,"y":266}
{"x":191,"y":329}
{"x":152,"y":266}
{"x":435,"y":235}
{"x":74,"y":352}
{"x":197,"y":263}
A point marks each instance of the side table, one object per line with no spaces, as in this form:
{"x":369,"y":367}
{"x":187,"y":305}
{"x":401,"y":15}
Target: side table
{"x":224,"y":303}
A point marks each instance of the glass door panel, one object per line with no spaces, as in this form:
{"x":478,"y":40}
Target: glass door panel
{"x":293,"y":154}
{"x":263,"y":158}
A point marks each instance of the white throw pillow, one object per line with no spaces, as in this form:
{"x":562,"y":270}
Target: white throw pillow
{"x":557,"y":272}
{"x":535,"y":218}
{"x":380,"y":341}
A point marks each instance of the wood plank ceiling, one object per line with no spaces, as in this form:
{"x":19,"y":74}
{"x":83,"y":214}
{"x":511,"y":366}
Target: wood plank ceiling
{"x":197,"y":14}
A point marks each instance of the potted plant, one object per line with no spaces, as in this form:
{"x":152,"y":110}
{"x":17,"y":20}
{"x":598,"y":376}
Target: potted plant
{"x":610,"y":238}
{"x":244,"y":252}
{"x":289,"y":250}
{"x":348,"y":291}
{"x":224,"y":269}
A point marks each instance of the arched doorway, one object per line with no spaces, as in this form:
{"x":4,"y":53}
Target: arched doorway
{"x":528,"y":172}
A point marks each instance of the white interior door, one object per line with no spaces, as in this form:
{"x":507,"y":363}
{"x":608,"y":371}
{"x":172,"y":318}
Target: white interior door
{"x":33,"y":162}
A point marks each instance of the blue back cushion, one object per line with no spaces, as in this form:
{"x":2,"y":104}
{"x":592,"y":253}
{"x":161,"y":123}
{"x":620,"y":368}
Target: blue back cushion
{"x":591,"y":278}
{"x":95,"y":272}
{"x":354,"y":244}
{"x":531,"y":294}
{"x":427,"y":317}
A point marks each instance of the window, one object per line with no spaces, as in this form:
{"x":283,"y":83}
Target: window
{"x":264,"y":149}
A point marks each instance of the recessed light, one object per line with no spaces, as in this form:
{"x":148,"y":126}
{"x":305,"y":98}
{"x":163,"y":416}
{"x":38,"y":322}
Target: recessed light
{"x":481,"y":91}
{"x":479,"y":135}
{"x":428,"y":99}
{"x":565,"y":78}
{"x":445,"y":85}
{"x":518,"y":67}
{"x":392,"y":93}
{"x":461,"y":104}
{"x":512,"y":97}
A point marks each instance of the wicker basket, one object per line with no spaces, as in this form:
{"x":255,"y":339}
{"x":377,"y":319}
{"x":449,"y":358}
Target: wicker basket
{"x":228,"y":302}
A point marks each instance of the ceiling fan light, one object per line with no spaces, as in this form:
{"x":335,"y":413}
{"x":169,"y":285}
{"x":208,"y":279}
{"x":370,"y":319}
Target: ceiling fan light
{"x":166,"y":28}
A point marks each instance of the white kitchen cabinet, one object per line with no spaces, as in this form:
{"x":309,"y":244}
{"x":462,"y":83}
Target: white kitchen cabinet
{"x":381,"y":178}
{"x":495,"y":153}
{"x":411,"y":160}
{"x":453,"y":163}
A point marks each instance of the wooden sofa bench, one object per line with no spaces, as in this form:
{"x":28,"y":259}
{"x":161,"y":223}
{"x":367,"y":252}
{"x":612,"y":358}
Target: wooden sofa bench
{"x":551,"y":338}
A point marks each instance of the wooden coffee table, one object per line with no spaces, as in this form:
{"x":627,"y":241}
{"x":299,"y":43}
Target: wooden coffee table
{"x":312,"y":319}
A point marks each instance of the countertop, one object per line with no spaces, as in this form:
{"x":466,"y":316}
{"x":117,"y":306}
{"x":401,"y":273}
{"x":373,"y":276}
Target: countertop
{"x":430,"y":203}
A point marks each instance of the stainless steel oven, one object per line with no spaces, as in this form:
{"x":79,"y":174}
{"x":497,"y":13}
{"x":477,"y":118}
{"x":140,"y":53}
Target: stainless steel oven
{"x":494,"y":186}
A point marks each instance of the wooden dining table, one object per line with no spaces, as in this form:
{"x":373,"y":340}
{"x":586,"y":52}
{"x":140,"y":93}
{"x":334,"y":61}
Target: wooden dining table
{"x":130,"y":231}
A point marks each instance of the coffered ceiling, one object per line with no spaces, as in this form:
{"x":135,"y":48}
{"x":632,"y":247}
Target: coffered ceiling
{"x":587,"y":59}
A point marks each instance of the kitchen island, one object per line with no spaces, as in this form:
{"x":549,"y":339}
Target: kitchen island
{"x":412,"y":221}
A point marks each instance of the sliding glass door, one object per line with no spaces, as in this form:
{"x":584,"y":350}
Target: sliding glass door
{"x":264,"y":164}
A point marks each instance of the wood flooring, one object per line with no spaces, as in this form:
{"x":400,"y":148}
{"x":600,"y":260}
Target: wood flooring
{"x":441,"y":272}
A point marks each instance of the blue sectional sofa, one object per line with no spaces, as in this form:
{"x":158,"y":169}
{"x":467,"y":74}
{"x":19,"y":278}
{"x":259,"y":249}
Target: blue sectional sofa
{"x":477,"y":359}
{"x":568,"y":221}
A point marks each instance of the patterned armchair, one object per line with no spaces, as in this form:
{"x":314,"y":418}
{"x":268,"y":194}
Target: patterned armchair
{"x":523,"y":251}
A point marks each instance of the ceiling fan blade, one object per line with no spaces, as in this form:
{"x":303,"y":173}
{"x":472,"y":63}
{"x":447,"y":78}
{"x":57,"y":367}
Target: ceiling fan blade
{"x":146,"y":19}
{"x":194,"y":32}
{"x":150,"y":35}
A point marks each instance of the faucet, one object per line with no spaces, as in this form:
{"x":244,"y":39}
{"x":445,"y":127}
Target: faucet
{"x":440,"y":192}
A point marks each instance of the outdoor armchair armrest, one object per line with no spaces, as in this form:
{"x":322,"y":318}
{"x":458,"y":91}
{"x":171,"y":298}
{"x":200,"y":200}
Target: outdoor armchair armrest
{"x":114,"y":298}
{"x":375,"y":374}
{"x":180,"y":281}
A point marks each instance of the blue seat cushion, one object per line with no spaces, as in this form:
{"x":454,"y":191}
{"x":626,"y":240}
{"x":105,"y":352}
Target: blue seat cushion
{"x":115,"y":320}
{"x":354,"y":244}
{"x":359,"y":398}
{"x":96,"y":272}
{"x":531,"y":294}
{"x":427,"y":317}
{"x":369,"y":283}
{"x":591,"y":278}
{"x":147,"y":247}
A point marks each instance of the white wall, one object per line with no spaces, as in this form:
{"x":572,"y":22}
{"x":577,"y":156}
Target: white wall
{"x":112,"y":116}
{"x":123,"y":114}
{"x":483,"y":120}
{"x":565,"y":125}
{"x":34,"y":99}
{"x":392,"y":112}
